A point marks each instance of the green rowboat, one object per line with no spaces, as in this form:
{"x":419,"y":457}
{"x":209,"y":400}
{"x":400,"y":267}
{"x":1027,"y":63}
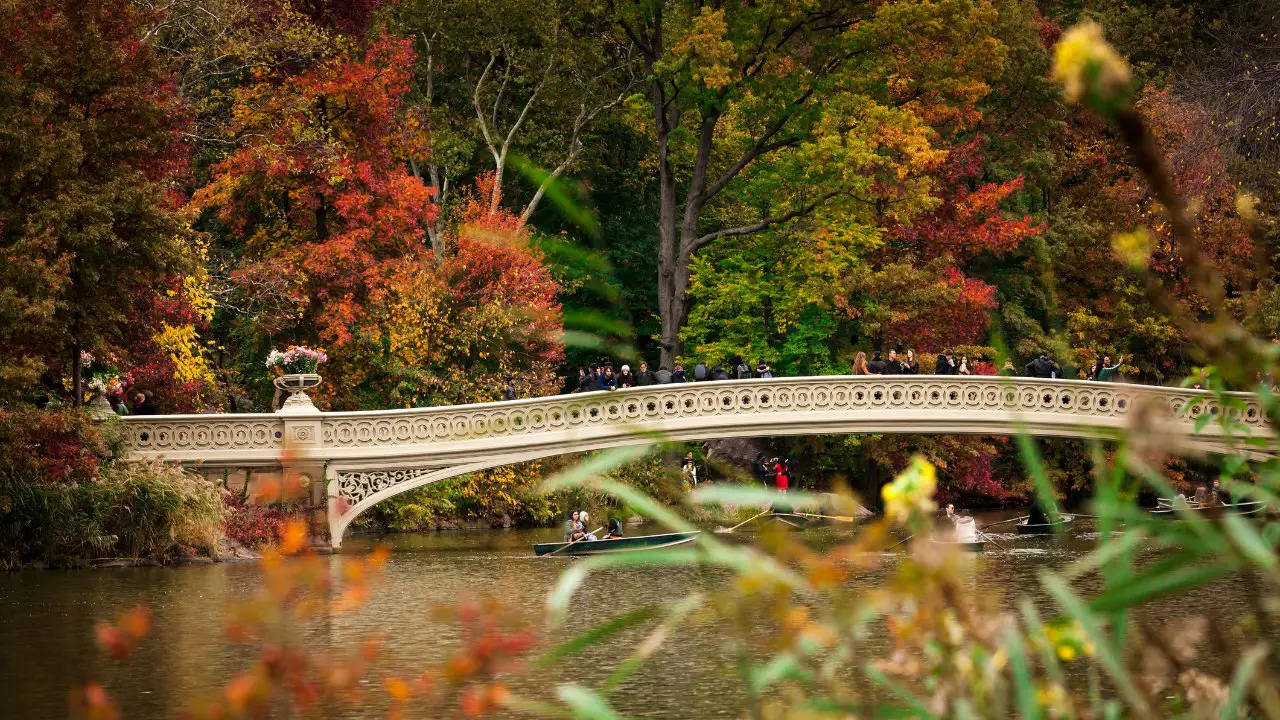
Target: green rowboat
{"x":626,"y":544}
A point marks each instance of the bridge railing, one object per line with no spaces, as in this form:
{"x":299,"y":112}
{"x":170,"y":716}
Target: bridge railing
{"x":921,"y":403}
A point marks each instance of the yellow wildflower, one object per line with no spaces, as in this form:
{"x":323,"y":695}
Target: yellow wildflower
{"x":1088,"y":67}
{"x":1134,"y":248}
{"x":911,"y":492}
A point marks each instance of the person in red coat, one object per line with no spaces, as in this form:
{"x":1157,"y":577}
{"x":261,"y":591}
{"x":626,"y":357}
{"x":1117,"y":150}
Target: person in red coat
{"x":781,"y":473}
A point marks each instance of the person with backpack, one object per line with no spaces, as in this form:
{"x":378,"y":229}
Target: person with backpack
{"x":700,"y":372}
{"x":741,"y":371}
{"x":718,"y":373}
{"x":663,"y":376}
{"x":763,"y":370}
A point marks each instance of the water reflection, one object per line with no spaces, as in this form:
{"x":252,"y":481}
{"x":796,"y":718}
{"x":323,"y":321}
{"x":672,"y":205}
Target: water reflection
{"x":47,"y":619}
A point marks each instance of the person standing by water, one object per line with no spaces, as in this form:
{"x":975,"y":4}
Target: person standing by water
{"x":782,"y":475}
{"x":689,"y":469}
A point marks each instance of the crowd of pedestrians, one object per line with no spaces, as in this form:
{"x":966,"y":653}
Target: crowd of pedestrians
{"x":602,"y":376}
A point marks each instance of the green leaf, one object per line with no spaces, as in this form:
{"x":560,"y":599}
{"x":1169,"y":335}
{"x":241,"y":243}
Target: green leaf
{"x":916,"y":705}
{"x":558,"y":600}
{"x":655,"y":639}
{"x":1024,"y":685}
{"x":602,"y":631}
{"x":1168,"y":576}
{"x":586,"y":704}
{"x":1249,"y":542}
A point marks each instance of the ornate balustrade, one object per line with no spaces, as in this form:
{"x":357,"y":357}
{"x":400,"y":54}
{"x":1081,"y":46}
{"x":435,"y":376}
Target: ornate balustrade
{"x":369,"y":456}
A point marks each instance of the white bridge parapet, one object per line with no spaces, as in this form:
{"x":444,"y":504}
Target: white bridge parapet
{"x":366,"y":457}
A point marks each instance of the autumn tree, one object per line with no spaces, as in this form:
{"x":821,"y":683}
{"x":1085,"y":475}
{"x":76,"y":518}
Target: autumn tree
{"x":763,"y":113}
{"x":316,"y":197}
{"x":89,"y":151}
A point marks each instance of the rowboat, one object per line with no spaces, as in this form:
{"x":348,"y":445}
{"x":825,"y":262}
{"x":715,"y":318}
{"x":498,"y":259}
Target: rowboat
{"x":1211,"y":511}
{"x":1045,"y":528}
{"x":972,"y":546}
{"x":626,"y":544}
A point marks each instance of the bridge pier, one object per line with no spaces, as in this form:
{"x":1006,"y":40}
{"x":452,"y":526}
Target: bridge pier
{"x":303,"y":436}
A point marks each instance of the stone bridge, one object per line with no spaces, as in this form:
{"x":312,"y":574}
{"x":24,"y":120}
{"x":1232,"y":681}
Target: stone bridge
{"x":354,"y":460}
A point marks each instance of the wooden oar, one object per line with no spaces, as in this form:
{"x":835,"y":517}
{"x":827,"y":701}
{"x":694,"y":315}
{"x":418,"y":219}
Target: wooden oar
{"x":992,"y":540}
{"x":899,"y":542}
{"x":841,"y":518}
{"x":1002,"y":522}
{"x":726,"y":531}
{"x":584,"y":537}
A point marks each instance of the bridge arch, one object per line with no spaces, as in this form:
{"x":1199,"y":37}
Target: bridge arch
{"x":367,"y":457}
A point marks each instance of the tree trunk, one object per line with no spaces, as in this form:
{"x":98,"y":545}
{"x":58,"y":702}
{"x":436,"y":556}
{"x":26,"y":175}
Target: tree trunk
{"x":77,"y":373}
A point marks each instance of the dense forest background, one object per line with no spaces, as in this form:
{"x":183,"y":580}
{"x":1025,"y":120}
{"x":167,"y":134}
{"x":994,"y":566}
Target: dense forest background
{"x":444,"y":193}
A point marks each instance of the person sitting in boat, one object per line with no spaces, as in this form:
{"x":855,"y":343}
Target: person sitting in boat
{"x":581,"y":532}
{"x":949,"y":516}
{"x":571,"y":527}
{"x":1037,"y":516}
{"x":1220,"y":496}
{"x":1203,"y":496}
{"x":615,"y":529}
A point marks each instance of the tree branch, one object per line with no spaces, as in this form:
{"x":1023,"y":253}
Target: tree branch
{"x":765,"y":223}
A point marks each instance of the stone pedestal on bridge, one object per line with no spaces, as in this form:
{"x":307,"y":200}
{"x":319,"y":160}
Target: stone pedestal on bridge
{"x":303,"y":433}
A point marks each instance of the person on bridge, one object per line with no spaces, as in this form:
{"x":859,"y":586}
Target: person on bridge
{"x":892,"y":366}
{"x":876,"y":366}
{"x":718,"y":373}
{"x":741,"y":371}
{"x":645,"y":376}
{"x":625,"y":378}
{"x":144,"y":405}
{"x":964,"y":366}
{"x":1043,"y":367}
{"x":509,"y":391}
{"x":677,"y":375}
{"x":607,"y":379}
{"x":763,"y":370}
{"x":700,"y":372}
{"x":910,"y":365}
{"x":946,"y":364}
{"x":860,"y":364}
{"x":663,"y":376}
{"x":1101,"y":371}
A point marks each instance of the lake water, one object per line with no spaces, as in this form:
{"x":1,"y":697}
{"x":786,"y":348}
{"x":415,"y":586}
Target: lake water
{"x":47,"y":620}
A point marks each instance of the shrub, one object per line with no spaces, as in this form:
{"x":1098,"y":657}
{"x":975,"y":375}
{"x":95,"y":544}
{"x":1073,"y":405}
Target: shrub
{"x":145,"y":510}
{"x":250,"y":524}
{"x":53,"y":445}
